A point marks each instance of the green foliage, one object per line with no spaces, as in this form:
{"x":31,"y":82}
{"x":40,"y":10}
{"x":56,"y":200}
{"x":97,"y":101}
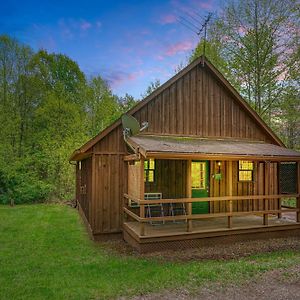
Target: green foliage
{"x":47,"y":254}
{"x":255,"y":44}
{"x":47,"y":109}
{"x":151,"y":88}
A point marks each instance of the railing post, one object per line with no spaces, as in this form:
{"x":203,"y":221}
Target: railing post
{"x":142,"y":215}
{"x":189,"y":195}
{"x":298,"y":192}
{"x":142,"y":193}
{"x":229,"y":178}
{"x":279,"y":215}
{"x":267,"y":183}
{"x":125,"y":216}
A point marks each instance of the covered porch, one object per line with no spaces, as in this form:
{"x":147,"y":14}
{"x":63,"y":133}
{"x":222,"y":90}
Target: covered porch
{"x":185,"y":192}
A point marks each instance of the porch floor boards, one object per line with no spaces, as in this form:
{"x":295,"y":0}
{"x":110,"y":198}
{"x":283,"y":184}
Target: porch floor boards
{"x":207,"y":225}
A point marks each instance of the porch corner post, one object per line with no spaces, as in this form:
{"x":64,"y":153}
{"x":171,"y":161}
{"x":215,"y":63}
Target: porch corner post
{"x":189,"y":195}
{"x":267,"y":189}
{"x":142,"y":192}
{"x":229,"y":178}
{"x":298,"y":191}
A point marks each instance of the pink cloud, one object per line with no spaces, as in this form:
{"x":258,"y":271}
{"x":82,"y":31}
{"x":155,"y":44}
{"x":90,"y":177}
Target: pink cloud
{"x":117,"y":77}
{"x":168,"y":19}
{"x":85,"y":25}
{"x":206,"y":5}
{"x":69,"y":28}
{"x":179,"y":47}
{"x":159,"y":57}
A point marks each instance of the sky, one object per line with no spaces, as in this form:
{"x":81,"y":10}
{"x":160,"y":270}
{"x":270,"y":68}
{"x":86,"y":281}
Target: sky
{"x":128,"y":43}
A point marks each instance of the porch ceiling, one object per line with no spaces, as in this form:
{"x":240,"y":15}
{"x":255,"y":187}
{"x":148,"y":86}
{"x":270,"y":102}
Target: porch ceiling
{"x":180,"y":147}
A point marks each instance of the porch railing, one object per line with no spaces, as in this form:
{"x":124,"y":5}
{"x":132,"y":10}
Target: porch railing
{"x":140,"y":217}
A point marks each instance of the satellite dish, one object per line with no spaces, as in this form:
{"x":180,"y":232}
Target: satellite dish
{"x":130,"y":124}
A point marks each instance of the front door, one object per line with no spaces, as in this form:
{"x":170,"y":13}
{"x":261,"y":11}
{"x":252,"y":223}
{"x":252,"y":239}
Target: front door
{"x":200,"y":181}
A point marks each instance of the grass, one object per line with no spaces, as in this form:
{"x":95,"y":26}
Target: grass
{"x":45,"y":253}
{"x":289,"y":202}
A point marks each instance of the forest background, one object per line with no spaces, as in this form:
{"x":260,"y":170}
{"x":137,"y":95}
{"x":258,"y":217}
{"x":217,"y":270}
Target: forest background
{"x":49,"y":107}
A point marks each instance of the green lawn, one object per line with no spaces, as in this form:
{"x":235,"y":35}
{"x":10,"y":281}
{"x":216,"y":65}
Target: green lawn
{"x":45,"y":253}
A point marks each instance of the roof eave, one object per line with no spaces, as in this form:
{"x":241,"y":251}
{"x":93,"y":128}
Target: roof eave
{"x":218,"y":156}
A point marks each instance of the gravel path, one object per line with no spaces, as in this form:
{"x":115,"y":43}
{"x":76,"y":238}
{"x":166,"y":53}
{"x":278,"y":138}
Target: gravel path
{"x":277,"y":285}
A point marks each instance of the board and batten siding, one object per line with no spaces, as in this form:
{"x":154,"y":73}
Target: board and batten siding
{"x":110,"y":184}
{"x":84,"y":186}
{"x":259,"y":186}
{"x":170,"y":180}
{"x":196,"y":104}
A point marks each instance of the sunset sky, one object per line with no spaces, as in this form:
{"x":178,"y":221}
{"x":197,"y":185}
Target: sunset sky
{"x":129,"y":43}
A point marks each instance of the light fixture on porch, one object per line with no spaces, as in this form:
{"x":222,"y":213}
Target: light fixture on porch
{"x":218,"y":176}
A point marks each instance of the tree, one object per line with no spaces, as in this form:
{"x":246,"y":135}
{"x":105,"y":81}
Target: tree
{"x":101,"y":105}
{"x":213,"y":52}
{"x":151,"y":88}
{"x":126,"y":102}
{"x":257,"y":38}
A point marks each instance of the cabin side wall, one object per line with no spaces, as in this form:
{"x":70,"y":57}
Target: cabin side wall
{"x":110,"y":184}
{"x":84,"y":186}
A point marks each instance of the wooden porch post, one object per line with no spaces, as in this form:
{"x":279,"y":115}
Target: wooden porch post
{"x":298,"y":191}
{"x":229,"y":183}
{"x":266,"y":191}
{"x":189,"y":194}
{"x":142,"y":192}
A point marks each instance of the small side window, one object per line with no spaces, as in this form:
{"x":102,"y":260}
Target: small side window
{"x":245,"y":170}
{"x":149,"y":168}
{"x":288,"y":178}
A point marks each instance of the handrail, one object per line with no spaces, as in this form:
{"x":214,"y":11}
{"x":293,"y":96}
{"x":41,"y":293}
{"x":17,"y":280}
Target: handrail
{"x":210,"y":199}
{"x":214,"y":215}
{"x":229,"y":213}
{"x":132,"y":214}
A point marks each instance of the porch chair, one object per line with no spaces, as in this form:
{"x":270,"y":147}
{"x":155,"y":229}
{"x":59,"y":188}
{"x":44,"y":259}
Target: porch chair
{"x":154,"y":210}
{"x":178,"y":209}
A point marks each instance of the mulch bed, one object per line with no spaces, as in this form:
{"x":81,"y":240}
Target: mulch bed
{"x":223,"y":252}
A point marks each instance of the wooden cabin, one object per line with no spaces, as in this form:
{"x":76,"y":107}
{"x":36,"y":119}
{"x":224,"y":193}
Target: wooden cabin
{"x":207,"y":169}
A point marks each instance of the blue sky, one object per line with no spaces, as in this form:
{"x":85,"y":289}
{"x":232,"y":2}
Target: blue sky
{"x":129,"y":43}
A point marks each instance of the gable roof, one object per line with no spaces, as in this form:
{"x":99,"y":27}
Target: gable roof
{"x":204,"y":62}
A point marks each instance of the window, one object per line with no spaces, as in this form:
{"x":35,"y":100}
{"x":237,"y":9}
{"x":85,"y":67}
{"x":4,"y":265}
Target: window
{"x":246,"y":170}
{"x":288,"y":178}
{"x":149,"y":167}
